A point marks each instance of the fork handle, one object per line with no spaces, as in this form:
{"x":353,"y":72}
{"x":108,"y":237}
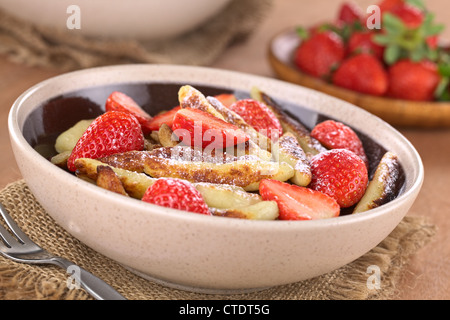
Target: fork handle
{"x":95,"y":286}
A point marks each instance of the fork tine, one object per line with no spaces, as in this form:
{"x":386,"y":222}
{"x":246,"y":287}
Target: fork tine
{"x":22,"y":237}
{"x":6,"y":238}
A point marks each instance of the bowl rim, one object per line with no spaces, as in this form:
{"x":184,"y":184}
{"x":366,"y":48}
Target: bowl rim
{"x":18,"y":139}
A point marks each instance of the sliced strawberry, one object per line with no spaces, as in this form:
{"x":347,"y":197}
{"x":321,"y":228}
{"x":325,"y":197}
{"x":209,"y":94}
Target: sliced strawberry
{"x":227,"y":99}
{"x":298,"y":203}
{"x":119,"y":101}
{"x":341,"y":174}
{"x":197,"y":128}
{"x":349,"y":13}
{"x":176,"y":194}
{"x":259,"y":116}
{"x":167,"y":117}
{"x":319,"y":54}
{"x":336,"y":135}
{"x":110,"y":133}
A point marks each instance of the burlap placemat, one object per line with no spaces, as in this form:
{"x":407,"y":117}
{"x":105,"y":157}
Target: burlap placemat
{"x":68,"y":50}
{"x":30,"y":282}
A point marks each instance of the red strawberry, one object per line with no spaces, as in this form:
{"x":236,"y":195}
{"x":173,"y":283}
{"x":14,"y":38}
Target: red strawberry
{"x":341,"y":174}
{"x":320,"y":53}
{"x":200,"y":129}
{"x":362,"y":73}
{"x":118,"y":101}
{"x":432,"y":41}
{"x":227,"y":99}
{"x":413,"y":80}
{"x":166,"y":117}
{"x":259,"y":116}
{"x":388,"y":5}
{"x":336,"y":135}
{"x":362,"y":42}
{"x":349,"y":13}
{"x":411,"y":16}
{"x":177,"y":194}
{"x":298,"y":203}
{"x":110,"y":133}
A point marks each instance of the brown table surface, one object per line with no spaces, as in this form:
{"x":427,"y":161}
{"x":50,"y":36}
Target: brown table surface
{"x":427,"y":275}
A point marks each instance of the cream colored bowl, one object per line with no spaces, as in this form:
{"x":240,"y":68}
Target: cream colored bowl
{"x":187,"y":250}
{"x":142,"y":19}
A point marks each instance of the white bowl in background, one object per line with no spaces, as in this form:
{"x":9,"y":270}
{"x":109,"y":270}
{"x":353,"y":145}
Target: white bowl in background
{"x":187,"y":250}
{"x":140,"y":19}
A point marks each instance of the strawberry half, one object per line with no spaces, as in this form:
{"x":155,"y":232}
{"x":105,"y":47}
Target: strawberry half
{"x":110,"y":133}
{"x":336,"y":135}
{"x":176,"y":194}
{"x":298,"y":203}
{"x":197,"y":128}
{"x":167,"y":117}
{"x":341,"y":174}
{"x":119,"y":101}
{"x":259,"y":116}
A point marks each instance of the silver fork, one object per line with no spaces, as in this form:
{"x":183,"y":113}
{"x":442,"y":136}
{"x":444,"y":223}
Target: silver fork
{"x":21,"y":248}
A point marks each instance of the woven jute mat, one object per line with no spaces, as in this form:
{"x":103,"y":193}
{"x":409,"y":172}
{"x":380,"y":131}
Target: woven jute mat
{"x":47,"y":282}
{"x":68,"y":50}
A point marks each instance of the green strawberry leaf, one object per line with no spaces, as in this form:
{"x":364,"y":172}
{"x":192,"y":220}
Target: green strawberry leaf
{"x":444,"y":70}
{"x":302,"y":33}
{"x":417,"y":3}
{"x":392,"y":23}
{"x":442,"y":93}
{"x":392,"y":54}
{"x":429,"y":28}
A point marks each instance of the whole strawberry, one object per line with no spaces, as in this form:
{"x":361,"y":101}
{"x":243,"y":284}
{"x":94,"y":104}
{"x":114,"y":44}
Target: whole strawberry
{"x":362,"y":73}
{"x":388,"y":5}
{"x":259,"y":116}
{"x":363,"y":42}
{"x":349,"y":13}
{"x":110,"y":133}
{"x":411,"y":16}
{"x":336,"y":135}
{"x":340,"y":174}
{"x":320,"y":53}
{"x":416,"y":81}
{"x":176,"y":194}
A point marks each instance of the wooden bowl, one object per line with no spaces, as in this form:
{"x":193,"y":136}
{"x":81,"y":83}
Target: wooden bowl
{"x":397,"y":112}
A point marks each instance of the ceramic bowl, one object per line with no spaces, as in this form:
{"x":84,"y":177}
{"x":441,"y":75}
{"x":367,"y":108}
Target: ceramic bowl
{"x":186,"y":250}
{"x":142,"y":19}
